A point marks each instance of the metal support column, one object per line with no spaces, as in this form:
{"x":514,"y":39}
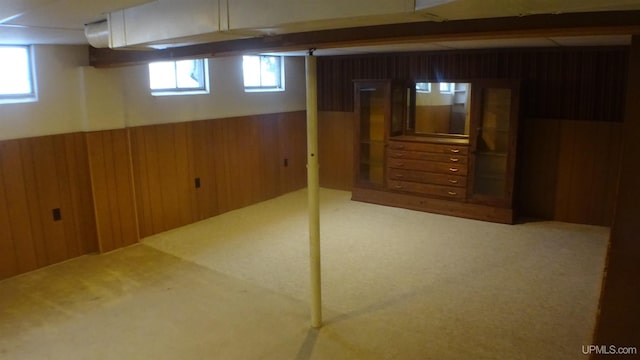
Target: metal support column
{"x":313,"y":185}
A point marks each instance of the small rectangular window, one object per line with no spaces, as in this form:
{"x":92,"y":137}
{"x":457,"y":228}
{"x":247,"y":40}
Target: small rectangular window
{"x":446,"y":88}
{"x":263,"y":73}
{"x":423,"y":87}
{"x":182,"y":77}
{"x":16,"y":75}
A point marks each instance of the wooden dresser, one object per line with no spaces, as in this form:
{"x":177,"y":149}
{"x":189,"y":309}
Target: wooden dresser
{"x":427,"y":168}
{"x":468,"y":175}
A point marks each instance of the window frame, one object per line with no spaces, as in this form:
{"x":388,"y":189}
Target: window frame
{"x":449,"y":90}
{"x":425,"y":90}
{"x":265,"y":88}
{"x":178,"y":90}
{"x":32,"y":95}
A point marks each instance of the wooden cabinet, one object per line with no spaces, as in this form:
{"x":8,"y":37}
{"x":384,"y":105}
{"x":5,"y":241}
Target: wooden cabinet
{"x":463,"y":175}
{"x":493,"y":140}
{"x":380,"y":108}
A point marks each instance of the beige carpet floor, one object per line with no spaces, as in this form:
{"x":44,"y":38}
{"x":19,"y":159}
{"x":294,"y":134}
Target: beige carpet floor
{"x":397,"y":284}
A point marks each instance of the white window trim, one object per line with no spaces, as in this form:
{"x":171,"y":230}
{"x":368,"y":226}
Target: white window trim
{"x":33,"y":95}
{"x":188,"y":91}
{"x":262,"y":89}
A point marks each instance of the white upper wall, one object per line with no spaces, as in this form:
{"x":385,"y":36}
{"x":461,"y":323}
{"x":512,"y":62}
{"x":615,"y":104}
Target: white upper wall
{"x":74,"y":97}
{"x":59,"y":96}
{"x":226,"y":99}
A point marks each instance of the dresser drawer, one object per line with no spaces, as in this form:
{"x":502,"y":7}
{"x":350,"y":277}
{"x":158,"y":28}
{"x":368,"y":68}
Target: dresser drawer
{"x":427,"y":156}
{"x":448,"y":192}
{"x":429,"y":166}
{"x":427,"y":177}
{"x":429,"y":147}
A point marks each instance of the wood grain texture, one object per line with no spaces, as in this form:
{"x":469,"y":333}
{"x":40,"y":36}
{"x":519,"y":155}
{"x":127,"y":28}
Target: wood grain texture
{"x":239,"y":161}
{"x":292,"y":135}
{"x":567,"y":170}
{"x":17,"y":207}
{"x":618,"y":313}
{"x":112,"y":189}
{"x":335,"y":148}
{"x":577,"y":83}
{"x":38,"y":175}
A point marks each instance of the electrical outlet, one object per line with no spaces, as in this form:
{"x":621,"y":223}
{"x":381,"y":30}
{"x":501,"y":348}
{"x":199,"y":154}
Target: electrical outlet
{"x":57,"y":214}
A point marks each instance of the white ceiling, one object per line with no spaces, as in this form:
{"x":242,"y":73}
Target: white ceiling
{"x":53,"y":21}
{"x":62,"y":21}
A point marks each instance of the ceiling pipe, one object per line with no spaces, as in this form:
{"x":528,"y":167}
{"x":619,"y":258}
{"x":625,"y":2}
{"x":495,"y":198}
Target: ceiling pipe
{"x":97,"y":34}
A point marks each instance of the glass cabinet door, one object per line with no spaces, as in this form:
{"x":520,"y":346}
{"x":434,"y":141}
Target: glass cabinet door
{"x":399,"y":106}
{"x":372,"y":108}
{"x":493,"y":143}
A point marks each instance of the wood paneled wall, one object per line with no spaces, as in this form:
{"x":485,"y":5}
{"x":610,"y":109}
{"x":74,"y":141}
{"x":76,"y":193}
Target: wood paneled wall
{"x":575,"y":83}
{"x":335,"y":149}
{"x":112,"y":185}
{"x":38,"y":175}
{"x":238,"y":161}
{"x":567,"y":170}
{"x":619,"y":314}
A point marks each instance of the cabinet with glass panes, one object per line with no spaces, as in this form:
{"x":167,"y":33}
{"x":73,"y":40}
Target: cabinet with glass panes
{"x":440,"y":146}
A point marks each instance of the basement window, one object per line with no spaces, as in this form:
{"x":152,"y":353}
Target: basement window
{"x":182,"y":77}
{"x":446,"y":88}
{"x":17,"y":82}
{"x":423,"y":87}
{"x":263,"y":73}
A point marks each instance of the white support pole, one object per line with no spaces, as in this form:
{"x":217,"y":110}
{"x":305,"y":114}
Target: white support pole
{"x":313,"y":186}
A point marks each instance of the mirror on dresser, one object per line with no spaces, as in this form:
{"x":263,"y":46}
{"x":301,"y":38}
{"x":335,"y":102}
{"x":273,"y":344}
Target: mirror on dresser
{"x":441,"y":108}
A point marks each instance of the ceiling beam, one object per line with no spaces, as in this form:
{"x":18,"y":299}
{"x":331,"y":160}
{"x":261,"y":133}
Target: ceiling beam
{"x":547,"y":25}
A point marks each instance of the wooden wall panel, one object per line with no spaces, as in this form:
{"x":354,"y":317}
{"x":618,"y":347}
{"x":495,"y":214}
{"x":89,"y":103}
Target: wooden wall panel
{"x":17,"y":207}
{"x":33,"y":201}
{"x":38,"y":175}
{"x":588,"y":170}
{"x":163,"y":183}
{"x":8,"y":256}
{"x":537,"y":167}
{"x":618,"y":313}
{"x":80,"y":228}
{"x":576,"y":83}
{"x":239,"y":161}
{"x":204,"y":200}
{"x":335,"y":147}
{"x":112,"y":186}
{"x":292,"y":136}
{"x":567,"y":170}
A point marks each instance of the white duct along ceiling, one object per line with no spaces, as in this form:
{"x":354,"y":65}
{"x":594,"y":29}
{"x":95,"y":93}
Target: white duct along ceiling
{"x":170,"y":23}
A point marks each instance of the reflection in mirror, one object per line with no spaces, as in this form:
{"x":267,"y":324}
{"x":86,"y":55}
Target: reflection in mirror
{"x":442,"y":108}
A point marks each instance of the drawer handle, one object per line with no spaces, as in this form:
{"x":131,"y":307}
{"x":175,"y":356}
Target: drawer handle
{"x":455,"y":151}
{"x":452,"y":181}
{"x":452,"y":193}
{"x":454,"y":159}
{"x":397,"y":146}
{"x":454,"y":169}
{"x":399,"y":164}
{"x":399,"y":186}
{"x":398,"y":176}
{"x":399,"y":155}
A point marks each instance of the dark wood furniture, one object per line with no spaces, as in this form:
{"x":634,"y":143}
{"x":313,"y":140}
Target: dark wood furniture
{"x":468,"y":173}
